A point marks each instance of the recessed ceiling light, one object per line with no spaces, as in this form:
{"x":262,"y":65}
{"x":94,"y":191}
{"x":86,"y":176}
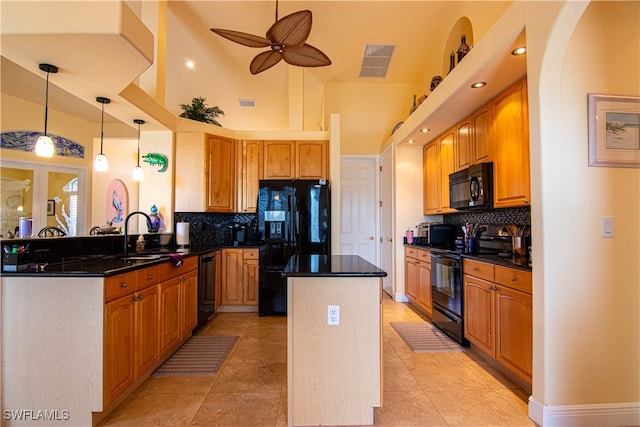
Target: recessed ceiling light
{"x":478,"y":85}
{"x":411,"y":141}
{"x":425,"y":130}
{"x":190,"y":64}
{"x":519,"y":51}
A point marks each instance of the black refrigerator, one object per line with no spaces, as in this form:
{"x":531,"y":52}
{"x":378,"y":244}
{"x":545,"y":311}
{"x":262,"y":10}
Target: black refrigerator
{"x":293,"y":218}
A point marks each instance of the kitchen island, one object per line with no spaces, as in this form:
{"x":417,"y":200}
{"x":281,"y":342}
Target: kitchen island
{"x":334,"y":345}
{"x":82,"y":334}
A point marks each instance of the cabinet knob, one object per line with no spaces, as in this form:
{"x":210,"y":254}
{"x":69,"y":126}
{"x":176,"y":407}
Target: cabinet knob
{"x":475,"y":269}
{"x":149,"y":277}
{"x":123,"y":284}
{"x":134,"y":299}
{"x":139,"y":297}
{"x":513,"y":279}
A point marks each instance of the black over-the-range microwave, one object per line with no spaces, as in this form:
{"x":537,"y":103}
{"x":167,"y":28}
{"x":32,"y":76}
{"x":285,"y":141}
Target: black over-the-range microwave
{"x":472,"y":188}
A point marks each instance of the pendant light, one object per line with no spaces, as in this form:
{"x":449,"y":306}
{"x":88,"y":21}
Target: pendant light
{"x":100,"y":163}
{"x":44,"y":144}
{"x":138,"y":173}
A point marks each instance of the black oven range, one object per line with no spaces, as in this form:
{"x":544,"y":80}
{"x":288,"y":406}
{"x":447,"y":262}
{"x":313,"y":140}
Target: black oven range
{"x":447,"y":294}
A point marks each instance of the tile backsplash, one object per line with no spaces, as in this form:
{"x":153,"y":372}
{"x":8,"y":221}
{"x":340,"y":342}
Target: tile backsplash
{"x":213,"y":229}
{"x":518,"y":216}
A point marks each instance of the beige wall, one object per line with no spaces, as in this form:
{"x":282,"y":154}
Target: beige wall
{"x":368,"y":113}
{"x":591,"y":285}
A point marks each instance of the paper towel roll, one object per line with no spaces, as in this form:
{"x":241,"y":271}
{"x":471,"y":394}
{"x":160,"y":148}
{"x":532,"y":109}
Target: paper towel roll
{"x":182,"y":234}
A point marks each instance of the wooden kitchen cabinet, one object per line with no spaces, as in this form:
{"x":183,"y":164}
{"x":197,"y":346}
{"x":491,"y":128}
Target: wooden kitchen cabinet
{"x":240,"y":276}
{"x":511,"y":147}
{"x":296,"y":160}
{"x":473,"y":138}
{"x":130,"y":328}
{"x":221,"y":170}
{"x":178,"y":303}
{"x":481,"y":147}
{"x":252,"y":173}
{"x":205,"y":173}
{"x":498,"y":314}
{"x":119,"y":333}
{"x":418,"y":278}
{"x":411,"y":276}
{"x":438,"y":163}
{"x":169,"y":314}
{"x":279,"y":159}
{"x":311,"y":160}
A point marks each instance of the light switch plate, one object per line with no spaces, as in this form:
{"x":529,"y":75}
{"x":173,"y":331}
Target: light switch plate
{"x":607,"y":227}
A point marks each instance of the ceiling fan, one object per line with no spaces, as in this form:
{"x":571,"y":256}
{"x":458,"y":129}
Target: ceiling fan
{"x":286,"y":38}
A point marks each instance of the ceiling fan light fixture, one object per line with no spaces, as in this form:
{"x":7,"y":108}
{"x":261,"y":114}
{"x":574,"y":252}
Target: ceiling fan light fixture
{"x":285,"y":39}
{"x":44,"y":145}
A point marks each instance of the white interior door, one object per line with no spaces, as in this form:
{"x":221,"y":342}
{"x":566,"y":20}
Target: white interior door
{"x":386,"y":220}
{"x":358,"y":233}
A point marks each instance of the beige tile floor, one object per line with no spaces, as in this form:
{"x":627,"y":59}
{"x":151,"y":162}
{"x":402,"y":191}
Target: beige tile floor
{"x":420,"y":389}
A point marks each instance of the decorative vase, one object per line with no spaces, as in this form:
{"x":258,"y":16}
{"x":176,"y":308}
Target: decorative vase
{"x":463,"y":49}
{"x":452,"y":62}
{"x":156,"y":220}
{"x":435,"y":81}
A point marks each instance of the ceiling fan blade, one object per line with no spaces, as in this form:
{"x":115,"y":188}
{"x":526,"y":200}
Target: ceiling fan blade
{"x":245,"y":39}
{"x":305,"y":56}
{"x":292,"y":30}
{"x":264,"y":61}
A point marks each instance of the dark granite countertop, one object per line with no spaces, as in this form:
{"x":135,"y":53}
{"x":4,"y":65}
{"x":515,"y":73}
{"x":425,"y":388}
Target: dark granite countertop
{"x":521,"y":263}
{"x":331,"y":266}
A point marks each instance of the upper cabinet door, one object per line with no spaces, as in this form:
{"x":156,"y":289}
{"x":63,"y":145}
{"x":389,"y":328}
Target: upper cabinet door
{"x":464,"y":144}
{"x":511,"y":132}
{"x":311,"y":160}
{"x":481,"y":128}
{"x":279,"y":159}
{"x":221,"y":175}
{"x":252,"y":173}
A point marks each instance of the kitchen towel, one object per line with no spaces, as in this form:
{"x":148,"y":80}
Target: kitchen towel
{"x":182,"y":234}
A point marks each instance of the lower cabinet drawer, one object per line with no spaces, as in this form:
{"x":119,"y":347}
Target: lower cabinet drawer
{"x":120,"y":285}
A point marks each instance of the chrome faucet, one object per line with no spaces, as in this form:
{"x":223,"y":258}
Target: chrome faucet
{"x":126,"y":226}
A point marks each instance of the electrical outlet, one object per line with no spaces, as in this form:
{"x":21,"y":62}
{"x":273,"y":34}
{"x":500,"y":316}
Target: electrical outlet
{"x":333,"y":315}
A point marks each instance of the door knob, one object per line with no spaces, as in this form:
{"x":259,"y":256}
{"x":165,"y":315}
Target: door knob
{"x":371,"y":237}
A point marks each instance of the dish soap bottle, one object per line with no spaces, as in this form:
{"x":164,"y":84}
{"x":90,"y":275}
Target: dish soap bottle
{"x":140,"y":244}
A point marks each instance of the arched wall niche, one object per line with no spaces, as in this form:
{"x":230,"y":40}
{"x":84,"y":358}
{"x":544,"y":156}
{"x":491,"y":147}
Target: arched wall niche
{"x":461,"y":27}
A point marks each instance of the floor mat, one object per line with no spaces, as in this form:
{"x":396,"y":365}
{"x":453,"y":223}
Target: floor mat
{"x":200,"y":356}
{"x":423,"y":337}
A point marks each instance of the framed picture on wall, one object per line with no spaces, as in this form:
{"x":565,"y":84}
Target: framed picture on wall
{"x":51,"y":207}
{"x":614,"y":130}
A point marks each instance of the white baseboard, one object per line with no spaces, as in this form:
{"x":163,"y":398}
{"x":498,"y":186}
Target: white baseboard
{"x":400,"y":297}
{"x":601,"y":415}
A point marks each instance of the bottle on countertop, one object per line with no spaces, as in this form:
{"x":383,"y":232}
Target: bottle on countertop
{"x":409,"y":236}
{"x":140,"y":244}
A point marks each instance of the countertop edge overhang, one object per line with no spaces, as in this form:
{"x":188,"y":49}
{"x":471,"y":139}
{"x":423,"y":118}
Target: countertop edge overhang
{"x":512,"y":262}
{"x":107,"y":265}
{"x":331,"y":266}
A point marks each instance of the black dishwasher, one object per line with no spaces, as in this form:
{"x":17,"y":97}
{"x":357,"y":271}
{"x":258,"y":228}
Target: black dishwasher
{"x":206,"y":287}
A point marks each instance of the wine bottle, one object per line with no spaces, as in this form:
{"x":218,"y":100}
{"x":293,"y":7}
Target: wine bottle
{"x":452,"y":61}
{"x":463,"y":49}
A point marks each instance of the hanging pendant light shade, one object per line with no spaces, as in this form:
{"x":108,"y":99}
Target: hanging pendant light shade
{"x":100,"y":163}
{"x":138,"y":173}
{"x":44,"y":144}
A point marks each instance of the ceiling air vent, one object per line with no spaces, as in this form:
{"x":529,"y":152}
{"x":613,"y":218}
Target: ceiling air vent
{"x":247,"y":102}
{"x":376,"y":59}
